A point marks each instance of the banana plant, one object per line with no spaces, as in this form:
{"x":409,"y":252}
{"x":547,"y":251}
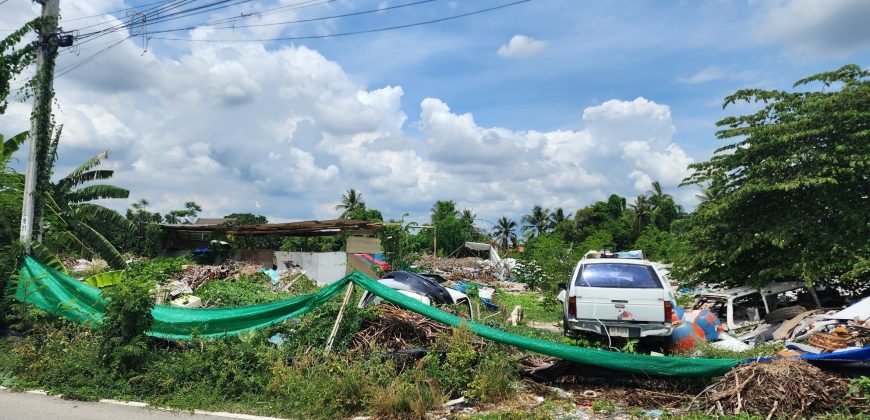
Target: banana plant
{"x":109,"y":278}
{"x":70,"y":202}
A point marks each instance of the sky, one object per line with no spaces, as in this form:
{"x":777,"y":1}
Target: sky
{"x":551,"y":102}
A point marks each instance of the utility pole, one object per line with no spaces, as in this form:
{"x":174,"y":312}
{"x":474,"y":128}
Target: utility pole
{"x":40,"y":120}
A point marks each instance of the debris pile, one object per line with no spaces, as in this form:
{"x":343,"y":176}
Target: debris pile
{"x":397,"y":329}
{"x":781,"y":386}
{"x":462,"y":269}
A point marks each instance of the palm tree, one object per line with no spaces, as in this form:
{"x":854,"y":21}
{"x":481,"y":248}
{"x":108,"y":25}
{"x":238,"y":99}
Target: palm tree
{"x":71,"y":204}
{"x":537,"y":222}
{"x":350,"y":202}
{"x":664,"y":209}
{"x":558,"y":216}
{"x":505,"y":232}
{"x":642,"y":212}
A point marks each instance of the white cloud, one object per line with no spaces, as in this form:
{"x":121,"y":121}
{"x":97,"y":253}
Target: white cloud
{"x":284,"y":131}
{"x":715,"y":73}
{"x":817,"y":28}
{"x":521,"y":46}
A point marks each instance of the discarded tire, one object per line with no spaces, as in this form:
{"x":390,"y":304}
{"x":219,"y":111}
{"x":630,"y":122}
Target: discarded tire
{"x":783,"y":314}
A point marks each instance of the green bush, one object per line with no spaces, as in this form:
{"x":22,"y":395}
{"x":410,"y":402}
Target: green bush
{"x":127,"y":317}
{"x":247,"y":290}
{"x":494,"y":378}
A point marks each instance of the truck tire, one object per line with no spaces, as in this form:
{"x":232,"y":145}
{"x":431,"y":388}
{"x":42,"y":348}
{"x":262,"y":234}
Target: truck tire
{"x":783,"y":314}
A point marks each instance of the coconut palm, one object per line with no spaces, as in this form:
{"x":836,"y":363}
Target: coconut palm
{"x":558,"y":216}
{"x":350,"y":201}
{"x":537,"y":222}
{"x":664,"y":209}
{"x":71,"y":203}
{"x":641,"y":212}
{"x":505,"y":232}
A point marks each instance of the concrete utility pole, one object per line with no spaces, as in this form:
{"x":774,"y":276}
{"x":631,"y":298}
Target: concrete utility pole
{"x":47,"y":33}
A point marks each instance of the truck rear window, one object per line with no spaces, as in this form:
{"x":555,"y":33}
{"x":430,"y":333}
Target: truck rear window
{"x":622,"y":276}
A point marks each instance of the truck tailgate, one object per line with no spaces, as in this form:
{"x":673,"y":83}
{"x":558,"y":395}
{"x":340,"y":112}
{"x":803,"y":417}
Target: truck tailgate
{"x":616,"y":304}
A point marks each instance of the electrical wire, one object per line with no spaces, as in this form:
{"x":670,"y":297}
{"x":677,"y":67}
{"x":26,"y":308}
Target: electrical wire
{"x":93,"y":57}
{"x":365,"y":31}
{"x":416,"y":3}
{"x":116,"y":11}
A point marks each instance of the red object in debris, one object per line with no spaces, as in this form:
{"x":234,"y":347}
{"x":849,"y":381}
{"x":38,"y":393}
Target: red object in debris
{"x":371,"y":259}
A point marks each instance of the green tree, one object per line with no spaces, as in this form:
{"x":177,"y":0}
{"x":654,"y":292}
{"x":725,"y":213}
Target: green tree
{"x":790,"y":187}
{"x":350,"y":202}
{"x":505,"y":233}
{"x":184,"y":216}
{"x":537,"y":222}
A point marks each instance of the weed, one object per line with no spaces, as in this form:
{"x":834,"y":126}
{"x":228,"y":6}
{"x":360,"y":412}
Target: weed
{"x":604,"y":405}
{"x":860,"y":387}
{"x":247,"y":290}
{"x":494,"y":379}
{"x":412,"y":394}
{"x":127,"y":317}
{"x":709,"y":351}
{"x":453,"y":359}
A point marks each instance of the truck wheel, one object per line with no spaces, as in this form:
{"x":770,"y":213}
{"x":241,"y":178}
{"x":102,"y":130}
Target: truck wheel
{"x":783,"y":314}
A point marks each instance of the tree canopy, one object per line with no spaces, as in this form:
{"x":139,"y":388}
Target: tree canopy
{"x":787,"y":197}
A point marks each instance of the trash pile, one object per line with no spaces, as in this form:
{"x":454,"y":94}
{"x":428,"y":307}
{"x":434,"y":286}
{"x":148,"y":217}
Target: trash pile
{"x":178,"y":290}
{"x":397,"y":329}
{"x":821,"y":332}
{"x":783,"y":386}
{"x":464,"y":269}
{"x":474,"y":270}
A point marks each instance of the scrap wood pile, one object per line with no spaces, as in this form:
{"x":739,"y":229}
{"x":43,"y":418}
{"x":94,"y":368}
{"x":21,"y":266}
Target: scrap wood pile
{"x":782,"y":386}
{"x":397,"y":329}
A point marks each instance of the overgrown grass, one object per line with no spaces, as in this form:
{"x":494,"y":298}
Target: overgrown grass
{"x":707,"y":350}
{"x":248,"y":374}
{"x":535,"y":307}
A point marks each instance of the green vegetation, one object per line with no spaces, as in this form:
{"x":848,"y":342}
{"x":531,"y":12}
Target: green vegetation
{"x":535,"y":307}
{"x":799,"y":167}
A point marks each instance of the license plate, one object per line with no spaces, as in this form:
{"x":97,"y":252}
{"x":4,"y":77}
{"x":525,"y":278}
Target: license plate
{"x":618,"y":331}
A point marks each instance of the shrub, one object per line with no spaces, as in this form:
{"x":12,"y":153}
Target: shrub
{"x":494,"y":378}
{"x":127,"y":317}
{"x":452,"y":360}
{"x":410,"y":395}
{"x":247,"y":290}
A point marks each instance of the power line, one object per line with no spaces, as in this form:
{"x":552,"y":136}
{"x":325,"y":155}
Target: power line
{"x":416,"y":3}
{"x":116,"y":11}
{"x":366,"y":31}
{"x":87,"y":60}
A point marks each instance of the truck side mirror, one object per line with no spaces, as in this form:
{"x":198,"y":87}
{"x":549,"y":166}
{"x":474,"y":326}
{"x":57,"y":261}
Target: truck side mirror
{"x":562,"y":286}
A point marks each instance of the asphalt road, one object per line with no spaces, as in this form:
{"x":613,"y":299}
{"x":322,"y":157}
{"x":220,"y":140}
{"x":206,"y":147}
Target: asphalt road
{"x":25,"y":406}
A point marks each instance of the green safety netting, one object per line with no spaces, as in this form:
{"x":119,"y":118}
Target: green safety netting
{"x":69,"y":298}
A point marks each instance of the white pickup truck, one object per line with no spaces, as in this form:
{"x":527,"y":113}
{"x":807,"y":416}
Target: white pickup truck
{"x":617,"y":295}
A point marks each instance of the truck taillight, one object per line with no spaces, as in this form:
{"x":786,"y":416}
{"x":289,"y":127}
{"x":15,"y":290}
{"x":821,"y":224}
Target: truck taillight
{"x":668,"y":311}
{"x":572,"y":307}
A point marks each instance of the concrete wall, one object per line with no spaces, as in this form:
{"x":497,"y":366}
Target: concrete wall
{"x":322,"y":267}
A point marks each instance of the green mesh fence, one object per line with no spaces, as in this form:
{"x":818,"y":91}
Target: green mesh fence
{"x":71,"y":299}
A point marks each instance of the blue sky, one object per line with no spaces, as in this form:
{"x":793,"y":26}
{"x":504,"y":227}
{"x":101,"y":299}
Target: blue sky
{"x":553,"y":102}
